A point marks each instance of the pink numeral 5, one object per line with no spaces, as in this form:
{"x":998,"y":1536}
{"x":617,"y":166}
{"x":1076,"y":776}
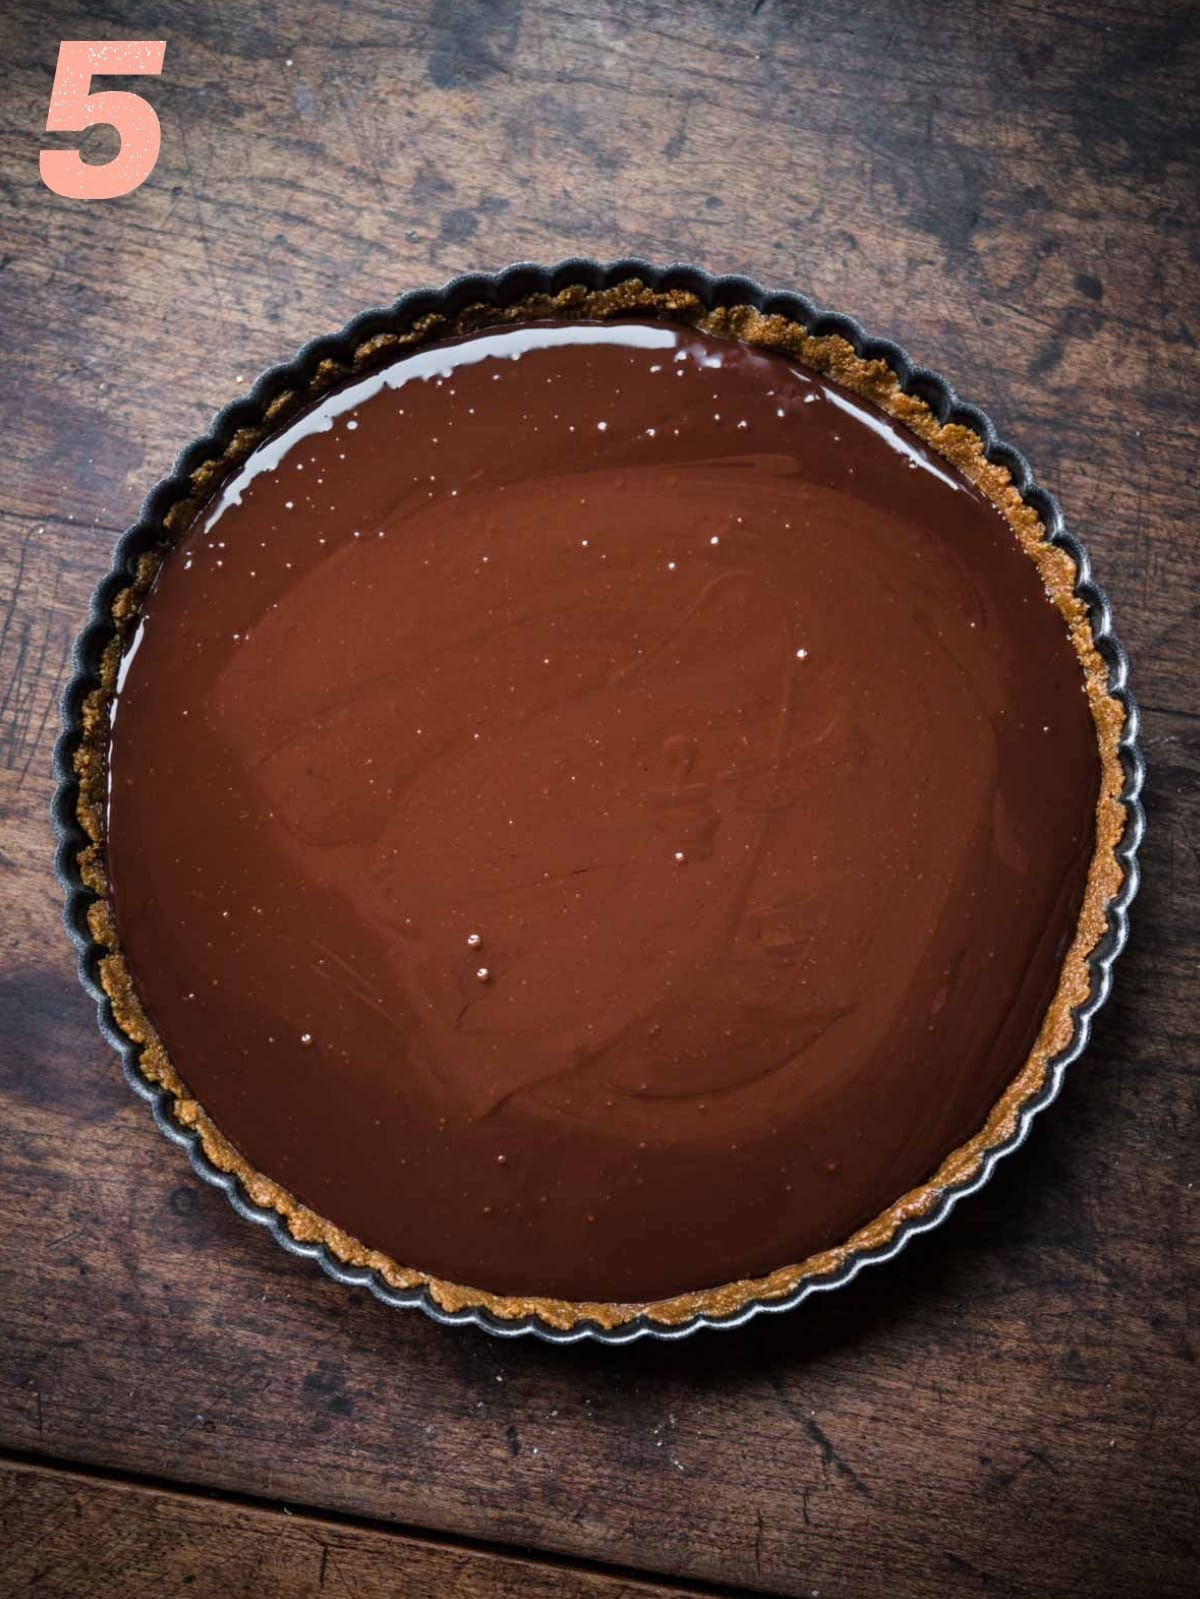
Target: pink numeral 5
{"x":72,"y":109}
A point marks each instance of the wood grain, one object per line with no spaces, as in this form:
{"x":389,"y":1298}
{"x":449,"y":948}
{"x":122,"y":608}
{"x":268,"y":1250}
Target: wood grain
{"x":69,"y":1536}
{"x":1008,"y":189}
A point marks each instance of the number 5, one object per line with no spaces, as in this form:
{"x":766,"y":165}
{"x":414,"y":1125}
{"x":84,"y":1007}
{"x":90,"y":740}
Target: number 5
{"x":72,"y":110}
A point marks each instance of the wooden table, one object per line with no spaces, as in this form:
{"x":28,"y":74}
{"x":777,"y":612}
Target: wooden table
{"x":1008,"y":1410}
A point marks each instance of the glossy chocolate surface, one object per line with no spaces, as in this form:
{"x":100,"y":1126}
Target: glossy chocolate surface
{"x":597,"y":811}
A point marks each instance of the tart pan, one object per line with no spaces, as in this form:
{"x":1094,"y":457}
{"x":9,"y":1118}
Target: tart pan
{"x":686,"y":293}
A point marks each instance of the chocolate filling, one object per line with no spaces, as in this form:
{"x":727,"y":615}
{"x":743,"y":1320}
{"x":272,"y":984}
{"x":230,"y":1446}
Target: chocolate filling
{"x":597,"y":810}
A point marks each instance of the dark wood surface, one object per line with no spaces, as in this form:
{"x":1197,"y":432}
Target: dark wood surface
{"x":1010,"y":1409}
{"x":69,"y":1533}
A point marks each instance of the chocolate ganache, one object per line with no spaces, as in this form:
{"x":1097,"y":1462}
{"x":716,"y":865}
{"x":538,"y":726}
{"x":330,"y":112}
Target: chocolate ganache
{"x":597,"y":811}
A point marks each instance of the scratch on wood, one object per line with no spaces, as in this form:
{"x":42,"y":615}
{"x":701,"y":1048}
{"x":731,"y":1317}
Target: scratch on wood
{"x":830,"y":1457}
{"x":10,"y":607}
{"x":674,"y":145}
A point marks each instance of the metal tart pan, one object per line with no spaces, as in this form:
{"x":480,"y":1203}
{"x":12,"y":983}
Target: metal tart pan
{"x":501,"y":289}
